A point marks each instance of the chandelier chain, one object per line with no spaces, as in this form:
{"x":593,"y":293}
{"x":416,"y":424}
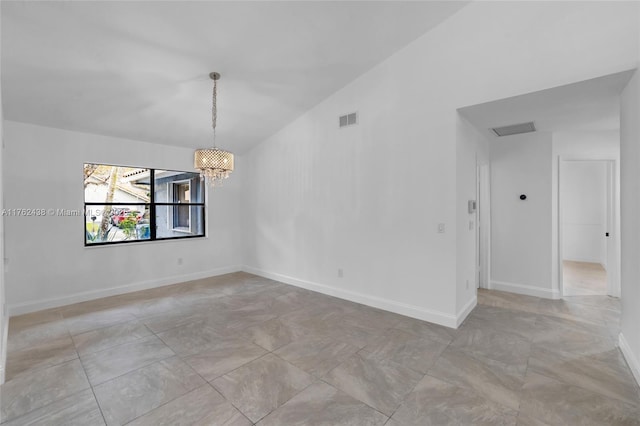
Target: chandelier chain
{"x":214,"y":107}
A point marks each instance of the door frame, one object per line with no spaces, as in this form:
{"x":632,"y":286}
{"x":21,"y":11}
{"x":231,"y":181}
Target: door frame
{"x":612,"y":224}
{"x":483,"y":225}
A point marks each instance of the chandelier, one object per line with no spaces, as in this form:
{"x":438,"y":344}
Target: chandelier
{"x":214,"y":164}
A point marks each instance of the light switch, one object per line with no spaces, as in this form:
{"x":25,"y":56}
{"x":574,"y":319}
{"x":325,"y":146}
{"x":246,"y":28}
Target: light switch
{"x":441,"y":228}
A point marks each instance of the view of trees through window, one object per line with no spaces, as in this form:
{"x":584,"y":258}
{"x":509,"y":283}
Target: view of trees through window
{"x":124,"y":204}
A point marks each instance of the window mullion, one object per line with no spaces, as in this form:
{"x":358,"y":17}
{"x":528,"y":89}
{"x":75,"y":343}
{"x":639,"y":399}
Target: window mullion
{"x":152,"y":206}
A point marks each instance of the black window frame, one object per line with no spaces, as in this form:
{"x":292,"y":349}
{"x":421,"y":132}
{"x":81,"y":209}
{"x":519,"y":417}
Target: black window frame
{"x":151,"y":205}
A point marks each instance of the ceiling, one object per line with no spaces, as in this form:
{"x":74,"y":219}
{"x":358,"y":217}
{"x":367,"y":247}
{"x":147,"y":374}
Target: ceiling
{"x":590,"y":105}
{"x":139,"y":70}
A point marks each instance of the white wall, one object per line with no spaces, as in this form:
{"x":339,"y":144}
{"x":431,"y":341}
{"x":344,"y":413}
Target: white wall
{"x":368,"y":199}
{"x":472,"y":149}
{"x":521,"y":230}
{"x":48,"y":264}
{"x":630,"y":197}
{"x":591,"y":145}
{"x":583,"y":194}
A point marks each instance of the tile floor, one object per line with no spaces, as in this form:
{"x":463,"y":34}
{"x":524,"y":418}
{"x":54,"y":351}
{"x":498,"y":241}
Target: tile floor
{"x":241,"y":350}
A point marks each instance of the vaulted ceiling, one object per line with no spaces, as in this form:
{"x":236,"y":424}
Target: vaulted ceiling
{"x":139,"y":70}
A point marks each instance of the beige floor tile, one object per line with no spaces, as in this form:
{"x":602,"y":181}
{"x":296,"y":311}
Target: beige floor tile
{"x":23,"y":336}
{"x":571,"y":311}
{"x":190,"y":339}
{"x":417,"y":353}
{"x":39,"y":388}
{"x":293,"y":301}
{"x":488,"y":343}
{"x":80,"y":409}
{"x":201,"y":406}
{"x":493,"y":380}
{"x":105,"y":338}
{"x":222,"y":356}
{"x":271,"y":334}
{"x":575,"y":337}
{"x":134,"y":394}
{"x":434,"y":402}
{"x":526,"y":420}
{"x":313,"y":321}
{"x":81,"y":323}
{"x":379,"y":383}
{"x":323,"y":405}
{"x":600,"y":374}
{"x":316,"y":355}
{"x":366,"y":316}
{"x":503,"y":320}
{"x":557,"y":403}
{"x":261,"y":386}
{"x":231,"y":323}
{"x":608,"y":302}
{"x":512,"y":301}
{"x":115,"y":361}
{"x":142,"y":307}
{"x":20,"y":322}
{"x":426,"y":330}
{"x":46,"y":354}
{"x":176,"y":318}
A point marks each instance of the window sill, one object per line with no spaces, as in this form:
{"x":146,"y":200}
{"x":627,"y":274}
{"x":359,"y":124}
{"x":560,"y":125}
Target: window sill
{"x":147,"y":242}
{"x":183,"y":230}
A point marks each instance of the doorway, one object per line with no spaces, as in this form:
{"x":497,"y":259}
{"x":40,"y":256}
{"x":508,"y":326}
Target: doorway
{"x":588,"y":257}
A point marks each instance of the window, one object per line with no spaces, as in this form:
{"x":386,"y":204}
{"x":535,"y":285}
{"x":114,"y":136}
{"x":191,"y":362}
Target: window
{"x":126,"y":204}
{"x":181,"y":219}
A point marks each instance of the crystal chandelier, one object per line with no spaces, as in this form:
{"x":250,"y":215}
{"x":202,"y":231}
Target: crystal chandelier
{"x":214,"y":164}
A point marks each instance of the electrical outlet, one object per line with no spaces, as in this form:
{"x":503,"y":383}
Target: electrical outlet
{"x":179,"y":261}
{"x":441,"y":228}
{"x":340,"y":273}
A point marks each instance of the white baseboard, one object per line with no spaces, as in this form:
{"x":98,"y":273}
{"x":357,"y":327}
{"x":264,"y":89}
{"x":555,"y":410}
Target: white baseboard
{"x":630,"y":357}
{"x":38,"y":305}
{"x":437,"y":317}
{"x":585,"y":260}
{"x":528,"y":290}
{"x":465,"y":311}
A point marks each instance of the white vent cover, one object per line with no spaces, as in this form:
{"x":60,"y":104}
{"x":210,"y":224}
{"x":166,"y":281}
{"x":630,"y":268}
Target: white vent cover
{"x":348,"y":119}
{"x":514,"y":129}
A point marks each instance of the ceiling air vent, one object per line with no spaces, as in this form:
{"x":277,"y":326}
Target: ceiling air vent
{"x":514,"y":129}
{"x":348,"y":119}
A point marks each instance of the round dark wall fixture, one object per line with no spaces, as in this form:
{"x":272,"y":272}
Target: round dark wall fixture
{"x":523,"y":197}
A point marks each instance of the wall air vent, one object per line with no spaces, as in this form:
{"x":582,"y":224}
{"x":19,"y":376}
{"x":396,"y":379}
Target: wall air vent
{"x":348,"y":119}
{"x":514,"y":129}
